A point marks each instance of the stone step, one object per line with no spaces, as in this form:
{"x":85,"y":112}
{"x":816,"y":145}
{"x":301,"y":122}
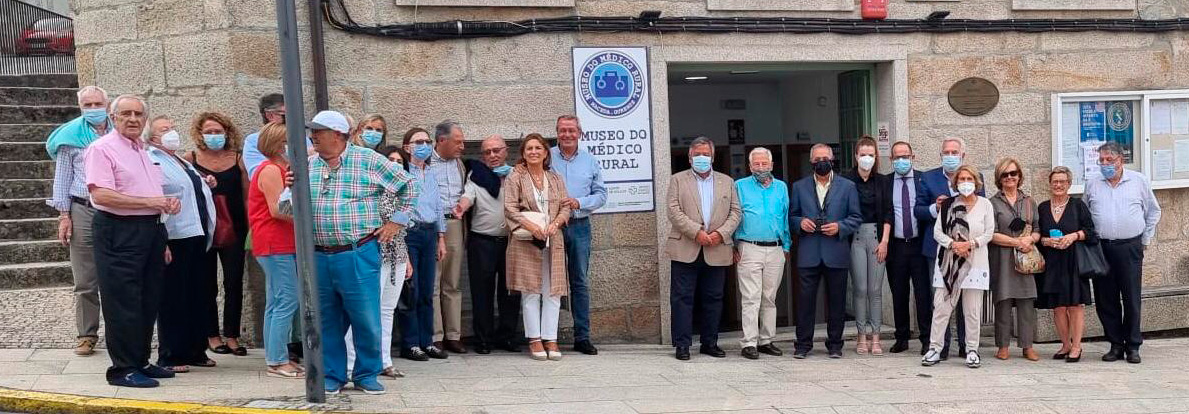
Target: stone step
{"x":40,"y":81}
{"x":29,"y":229}
{"x":38,"y":96}
{"x":25,"y":208}
{"x":23,"y":151}
{"x":35,"y":275}
{"x":19,"y":114}
{"x":27,"y":169}
{"x":20,"y":252}
{"x":26,"y":132}
{"x":26,"y":188}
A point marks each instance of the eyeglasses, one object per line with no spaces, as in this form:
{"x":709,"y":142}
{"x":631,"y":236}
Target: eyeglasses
{"x":130,"y":114}
{"x":493,"y":151}
{"x":1060,"y":182}
{"x":1013,"y":173}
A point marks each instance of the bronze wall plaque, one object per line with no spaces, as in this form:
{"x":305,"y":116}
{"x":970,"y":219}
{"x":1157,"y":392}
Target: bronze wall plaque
{"x":973,"y":96}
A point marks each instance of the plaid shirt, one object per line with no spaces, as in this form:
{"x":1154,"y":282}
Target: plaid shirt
{"x":346,"y":200}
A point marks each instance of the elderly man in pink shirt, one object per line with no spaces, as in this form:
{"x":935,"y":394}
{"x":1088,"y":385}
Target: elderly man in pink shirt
{"x":129,"y":239}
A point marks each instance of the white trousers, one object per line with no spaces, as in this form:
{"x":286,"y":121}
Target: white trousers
{"x":760,"y":269}
{"x":541,"y":311}
{"x":390,"y":287}
{"x":943,"y":307}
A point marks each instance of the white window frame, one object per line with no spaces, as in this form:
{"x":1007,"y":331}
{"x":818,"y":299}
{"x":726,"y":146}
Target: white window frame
{"x":1073,"y":5}
{"x":486,"y":3}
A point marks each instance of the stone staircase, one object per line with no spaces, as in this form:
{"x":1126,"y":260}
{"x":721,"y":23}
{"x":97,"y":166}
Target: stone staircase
{"x":36,"y":304}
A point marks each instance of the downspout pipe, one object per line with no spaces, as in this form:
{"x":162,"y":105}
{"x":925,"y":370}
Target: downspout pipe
{"x":317,"y":9}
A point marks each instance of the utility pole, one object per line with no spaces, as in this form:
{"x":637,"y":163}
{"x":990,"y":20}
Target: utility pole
{"x":303,"y":225}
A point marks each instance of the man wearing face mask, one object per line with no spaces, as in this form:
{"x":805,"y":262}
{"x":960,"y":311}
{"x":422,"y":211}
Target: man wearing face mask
{"x":181,"y":339}
{"x":1125,"y":215}
{"x":704,"y":211}
{"x":935,"y":189}
{"x":905,"y":264}
{"x":75,"y":212}
{"x":487,"y":244}
{"x":761,"y":245}
{"x":825,"y":210}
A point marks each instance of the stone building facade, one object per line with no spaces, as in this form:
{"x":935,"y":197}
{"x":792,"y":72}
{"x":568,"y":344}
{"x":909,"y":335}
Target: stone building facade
{"x":187,"y":56}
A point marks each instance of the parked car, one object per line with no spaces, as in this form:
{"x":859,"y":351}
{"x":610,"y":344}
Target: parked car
{"x":50,"y":36}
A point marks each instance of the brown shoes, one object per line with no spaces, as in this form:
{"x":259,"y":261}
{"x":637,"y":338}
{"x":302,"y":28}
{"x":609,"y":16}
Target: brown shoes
{"x":454,"y":346}
{"x":86,"y":346}
{"x":1003,"y":354}
{"x":1031,"y":355}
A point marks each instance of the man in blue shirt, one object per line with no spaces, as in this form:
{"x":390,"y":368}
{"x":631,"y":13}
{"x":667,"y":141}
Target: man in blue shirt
{"x":762,"y":244}
{"x":272,"y":109}
{"x":584,"y":184}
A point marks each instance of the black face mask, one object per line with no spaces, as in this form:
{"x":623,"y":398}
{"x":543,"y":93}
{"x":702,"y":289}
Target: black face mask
{"x":823,"y":167}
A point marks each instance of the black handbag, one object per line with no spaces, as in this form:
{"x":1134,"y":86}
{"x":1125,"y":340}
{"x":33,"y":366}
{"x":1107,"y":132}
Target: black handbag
{"x":1091,"y":262}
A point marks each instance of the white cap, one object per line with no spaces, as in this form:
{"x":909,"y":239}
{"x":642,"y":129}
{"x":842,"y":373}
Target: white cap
{"x":329,"y":120}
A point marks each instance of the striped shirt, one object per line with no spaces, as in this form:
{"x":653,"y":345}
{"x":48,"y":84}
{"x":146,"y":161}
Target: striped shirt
{"x":69,"y":180}
{"x":346,"y":200}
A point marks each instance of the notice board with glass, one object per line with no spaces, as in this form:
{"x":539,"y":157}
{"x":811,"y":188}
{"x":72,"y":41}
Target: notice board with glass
{"x":1151,"y":127}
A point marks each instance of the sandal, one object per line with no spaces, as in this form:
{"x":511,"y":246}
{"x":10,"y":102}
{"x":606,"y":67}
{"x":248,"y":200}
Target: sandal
{"x":392,"y":372}
{"x":284,"y":371}
{"x":178,"y":369}
{"x":221,"y":349}
{"x":536,"y":350}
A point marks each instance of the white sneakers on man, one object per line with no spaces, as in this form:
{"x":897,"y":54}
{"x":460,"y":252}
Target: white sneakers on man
{"x":972,"y":359}
{"x":932,"y":357}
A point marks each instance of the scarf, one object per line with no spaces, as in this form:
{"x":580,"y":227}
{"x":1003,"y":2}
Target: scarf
{"x":482,"y":176}
{"x":76,"y":133}
{"x":954,"y":268}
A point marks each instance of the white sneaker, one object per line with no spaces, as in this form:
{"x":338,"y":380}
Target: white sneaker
{"x":972,"y":359}
{"x":932,"y":357}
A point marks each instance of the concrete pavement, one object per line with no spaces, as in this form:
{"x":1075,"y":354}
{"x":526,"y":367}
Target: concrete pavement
{"x":647,"y":379}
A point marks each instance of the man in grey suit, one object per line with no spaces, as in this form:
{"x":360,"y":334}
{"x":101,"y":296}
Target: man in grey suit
{"x":825,"y":210}
{"x":704,"y":211}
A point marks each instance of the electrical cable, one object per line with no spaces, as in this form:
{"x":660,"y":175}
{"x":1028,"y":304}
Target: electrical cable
{"x":339,"y":18}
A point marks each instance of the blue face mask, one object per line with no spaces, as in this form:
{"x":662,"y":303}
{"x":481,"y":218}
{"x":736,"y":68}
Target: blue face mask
{"x":902,"y":165}
{"x":422,"y":151}
{"x":372,"y":138}
{"x":700,"y":164}
{"x":502,"y":170}
{"x":1108,"y":171}
{"x":950,"y":163}
{"x":214,"y":141}
{"x":95,"y":116}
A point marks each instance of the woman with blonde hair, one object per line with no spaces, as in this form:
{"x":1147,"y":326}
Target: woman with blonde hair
{"x":536,"y":251}
{"x":371,"y":132}
{"x":219,"y":153}
{"x":1064,"y":222}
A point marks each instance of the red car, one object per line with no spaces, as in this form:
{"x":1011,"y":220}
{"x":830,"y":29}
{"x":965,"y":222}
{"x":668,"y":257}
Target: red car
{"x":47,"y":37}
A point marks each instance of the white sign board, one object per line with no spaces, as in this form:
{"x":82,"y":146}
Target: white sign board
{"x":614,"y":105}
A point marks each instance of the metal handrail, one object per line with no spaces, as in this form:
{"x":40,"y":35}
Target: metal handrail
{"x":34,"y":40}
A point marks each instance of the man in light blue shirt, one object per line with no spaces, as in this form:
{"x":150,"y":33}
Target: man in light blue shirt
{"x":1125,"y":215}
{"x":762,"y":243}
{"x":446,"y":163}
{"x":584,"y":184}
{"x":272,"y":109}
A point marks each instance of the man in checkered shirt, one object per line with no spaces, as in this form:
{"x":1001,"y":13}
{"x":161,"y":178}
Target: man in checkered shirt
{"x":346,"y":182}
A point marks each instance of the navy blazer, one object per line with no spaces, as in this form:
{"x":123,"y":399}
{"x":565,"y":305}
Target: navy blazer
{"x":842,"y":207}
{"x":933,"y":183}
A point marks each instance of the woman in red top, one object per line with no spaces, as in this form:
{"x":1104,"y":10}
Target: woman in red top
{"x":274,"y":248}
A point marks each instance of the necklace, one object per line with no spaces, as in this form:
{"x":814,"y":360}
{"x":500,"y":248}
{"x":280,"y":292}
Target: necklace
{"x":1058,"y":209}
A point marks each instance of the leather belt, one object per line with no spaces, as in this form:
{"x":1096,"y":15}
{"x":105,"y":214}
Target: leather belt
{"x":345,"y":247}
{"x":762,"y":243}
{"x":1114,"y":242}
{"x":81,"y":201}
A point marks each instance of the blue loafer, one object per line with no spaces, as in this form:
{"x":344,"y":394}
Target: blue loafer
{"x":153,"y":371}
{"x":134,"y":379}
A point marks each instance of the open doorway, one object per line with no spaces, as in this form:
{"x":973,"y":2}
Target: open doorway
{"x":786,"y":108}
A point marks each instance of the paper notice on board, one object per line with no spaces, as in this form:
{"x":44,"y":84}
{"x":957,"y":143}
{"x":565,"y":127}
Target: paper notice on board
{"x":1071,"y":127}
{"x":1161,"y":117}
{"x":1090,"y":158}
{"x":1162,"y":165}
{"x":1181,"y":155}
{"x":1180,"y":117}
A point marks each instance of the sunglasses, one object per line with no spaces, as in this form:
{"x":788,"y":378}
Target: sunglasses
{"x":1007,"y":174}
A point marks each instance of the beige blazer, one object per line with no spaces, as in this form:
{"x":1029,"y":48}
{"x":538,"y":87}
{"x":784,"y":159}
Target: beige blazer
{"x":685,"y":216}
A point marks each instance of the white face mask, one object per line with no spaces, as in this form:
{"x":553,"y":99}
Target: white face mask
{"x":966,"y":188}
{"x":171,"y":140}
{"x":866,"y":162}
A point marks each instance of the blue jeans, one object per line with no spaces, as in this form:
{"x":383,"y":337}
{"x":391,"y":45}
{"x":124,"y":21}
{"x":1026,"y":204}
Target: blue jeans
{"x":349,"y":296}
{"x":416,"y":325}
{"x":280,"y":280}
{"x":577,"y":237}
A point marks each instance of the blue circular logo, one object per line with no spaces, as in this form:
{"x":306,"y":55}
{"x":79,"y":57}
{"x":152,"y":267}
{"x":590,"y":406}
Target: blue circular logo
{"x":611,"y":84}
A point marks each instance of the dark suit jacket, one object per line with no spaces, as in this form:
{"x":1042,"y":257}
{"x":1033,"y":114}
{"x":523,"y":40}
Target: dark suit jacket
{"x":915,"y":182}
{"x":933,"y":183}
{"x":842,"y":207}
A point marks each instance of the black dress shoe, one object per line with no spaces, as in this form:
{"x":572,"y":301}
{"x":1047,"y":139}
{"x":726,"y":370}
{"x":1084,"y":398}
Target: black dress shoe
{"x":482,"y":349}
{"x":153,"y":371}
{"x":435,"y":353}
{"x":770,"y":349}
{"x":898,"y":347}
{"x":1072,"y":359}
{"x":585,"y":347}
{"x":945,"y":354}
{"x":683,"y":353}
{"x":750,"y":353}
{"x":414,"y":354}
{"x":712,"y":350}
{"x":133,"y":379}
{"x":1133,"y":357}
{"x":1113,"y":355}
{"x":924,"y":349}
{"x":510,"y":346}
{"x":835,"y":354}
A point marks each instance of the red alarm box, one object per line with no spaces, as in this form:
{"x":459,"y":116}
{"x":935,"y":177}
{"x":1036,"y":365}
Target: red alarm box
{"x":874,"y":9}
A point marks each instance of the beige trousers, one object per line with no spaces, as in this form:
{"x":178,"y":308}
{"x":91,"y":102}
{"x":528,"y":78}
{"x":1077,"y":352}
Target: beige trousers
{"x":943,"y":307}
{"x":760,"y":270}
{"x":447,"y":287}
{"x":82,"y":267}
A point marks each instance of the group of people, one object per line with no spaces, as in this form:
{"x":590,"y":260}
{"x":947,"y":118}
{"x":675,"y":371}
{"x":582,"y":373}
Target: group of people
{"x":149,"y":227}
{"x":935,"y":236}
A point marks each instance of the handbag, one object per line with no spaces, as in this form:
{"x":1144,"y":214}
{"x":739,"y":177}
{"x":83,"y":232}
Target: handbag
{"x":537,"y":218}
{"x":1091,"y":262}
{"x":1032,"y":262}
